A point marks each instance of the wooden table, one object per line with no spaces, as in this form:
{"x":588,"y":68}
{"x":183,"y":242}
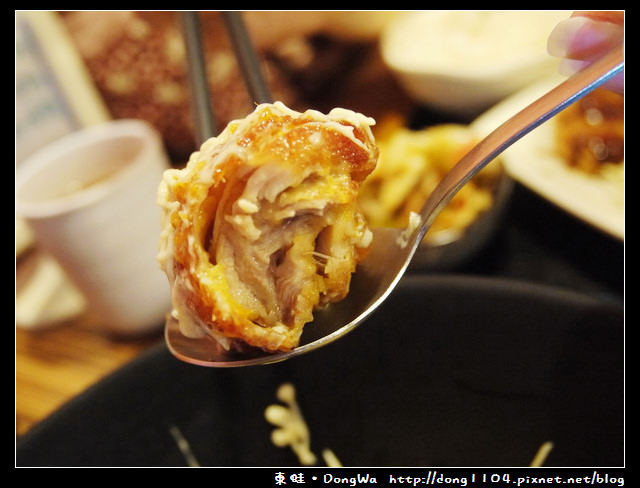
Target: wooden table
{"x":55,"y":364}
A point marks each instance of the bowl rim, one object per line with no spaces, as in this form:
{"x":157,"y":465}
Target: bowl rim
{"x":529,"y":61}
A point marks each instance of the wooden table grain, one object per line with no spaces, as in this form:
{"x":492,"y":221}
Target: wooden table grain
{"x":54,"y":365}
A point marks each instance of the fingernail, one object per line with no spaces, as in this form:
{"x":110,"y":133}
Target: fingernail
{"x":560,"y":39}
{"x":583,"y":37}
{"x":568,"y":67}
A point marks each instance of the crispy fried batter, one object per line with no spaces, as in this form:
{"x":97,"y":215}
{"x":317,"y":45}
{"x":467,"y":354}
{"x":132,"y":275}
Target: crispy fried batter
{"x":262,"y":226}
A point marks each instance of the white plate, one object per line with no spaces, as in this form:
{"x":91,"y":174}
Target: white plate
{"x":532,"y":162}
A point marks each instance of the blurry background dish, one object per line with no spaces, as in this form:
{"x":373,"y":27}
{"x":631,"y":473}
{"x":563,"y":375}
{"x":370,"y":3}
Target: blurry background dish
{"x":137,"y":60}
{"x":581,"y":172}
{"x":463,"y":62}
{"x":411,"y":164}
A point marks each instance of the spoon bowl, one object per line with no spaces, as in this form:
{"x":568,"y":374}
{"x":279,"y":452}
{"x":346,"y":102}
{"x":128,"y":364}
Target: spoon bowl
{"x":393,"y":249}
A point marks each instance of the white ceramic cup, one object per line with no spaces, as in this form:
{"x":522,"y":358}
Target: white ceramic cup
{"x":91,"y":199}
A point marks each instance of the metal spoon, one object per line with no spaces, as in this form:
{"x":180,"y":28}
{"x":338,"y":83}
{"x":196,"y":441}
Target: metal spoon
{"x":392,"y":249}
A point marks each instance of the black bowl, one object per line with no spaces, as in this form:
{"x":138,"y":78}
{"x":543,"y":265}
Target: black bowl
{"x":451,"y":371}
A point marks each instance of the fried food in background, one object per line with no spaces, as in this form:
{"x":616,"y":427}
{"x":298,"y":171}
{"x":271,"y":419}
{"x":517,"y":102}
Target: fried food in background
{"x":310,"y":60}
{"x":411,"y":164}
{"x":590,"y":133}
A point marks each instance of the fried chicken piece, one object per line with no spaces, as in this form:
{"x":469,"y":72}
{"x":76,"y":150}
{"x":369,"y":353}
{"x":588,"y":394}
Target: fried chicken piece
{"x":262,"y":226}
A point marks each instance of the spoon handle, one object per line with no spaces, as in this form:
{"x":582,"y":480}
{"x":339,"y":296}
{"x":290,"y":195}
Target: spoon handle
{"x":538,"y":112}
